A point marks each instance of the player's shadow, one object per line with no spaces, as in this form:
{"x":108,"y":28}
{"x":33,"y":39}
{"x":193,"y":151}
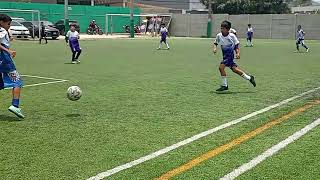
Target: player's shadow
{"x":73,"y":115}
{"x":232,"y":92}
{"x":9,"y":118}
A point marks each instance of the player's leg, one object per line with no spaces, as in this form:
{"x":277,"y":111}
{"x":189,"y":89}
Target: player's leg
{"x":304,"y":45}
{"x":241,"y":73}
{"x":160,"y":44}
{"x":45,"y":38}
{"x":78,"y":55}
{"x":40,"y":39}
{"x":298,"y":45}
{"x":13,"y":80}
{"x":165,"y":41}
{"x":224,"y":82}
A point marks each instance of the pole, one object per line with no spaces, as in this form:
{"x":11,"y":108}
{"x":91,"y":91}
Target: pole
{"x":66,"y":16}
{"x":92,"y":2}
{"x":131,"y":20}
{"x":209,"y":25}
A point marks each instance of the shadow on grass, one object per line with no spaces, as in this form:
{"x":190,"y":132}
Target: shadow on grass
{"x":233,"y":92}
{"x":73,"y":115}
{"x":9,"y":118}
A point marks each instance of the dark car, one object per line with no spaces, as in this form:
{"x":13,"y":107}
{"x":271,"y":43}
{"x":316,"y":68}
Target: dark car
{"x":33,"y":27}
{"x":60,"y":25}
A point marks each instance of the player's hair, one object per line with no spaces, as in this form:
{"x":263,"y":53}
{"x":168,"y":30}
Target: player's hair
{"x":249,"y":25}
{"x":299,"y":26}
{"x":72,"y":25}
{"x":5,"y":18}
{"x":226,"y":24}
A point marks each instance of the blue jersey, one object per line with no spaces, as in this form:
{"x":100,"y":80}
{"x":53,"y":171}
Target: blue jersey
{"x":6,"y":62}
{"x":300,"y":34}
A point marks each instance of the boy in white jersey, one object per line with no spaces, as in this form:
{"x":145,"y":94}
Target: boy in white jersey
{"x":300,"y":39}
{"x":73,"y":37}
{"x":163,"y":34}
{"x":9,"y":77}
{"x":249,"y":36}
{"x":229,"y":43}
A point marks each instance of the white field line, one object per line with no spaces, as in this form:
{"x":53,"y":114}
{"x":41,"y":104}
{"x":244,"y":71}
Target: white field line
{"x":270,"y":152}
{"x":194,"y":138}
{"x":39,"y":84}
{"x":40,"y":77}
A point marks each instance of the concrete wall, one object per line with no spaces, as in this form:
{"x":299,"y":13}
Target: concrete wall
{"x":266,"y":26}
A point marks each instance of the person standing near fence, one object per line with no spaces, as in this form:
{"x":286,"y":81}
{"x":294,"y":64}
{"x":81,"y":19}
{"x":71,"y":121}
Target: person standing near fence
{"x":43,"y":34}
{"x":249,"y":36}
{"x":300,"y":39}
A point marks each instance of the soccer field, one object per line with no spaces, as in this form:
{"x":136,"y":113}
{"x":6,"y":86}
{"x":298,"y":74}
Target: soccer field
{"x":137,"y":100}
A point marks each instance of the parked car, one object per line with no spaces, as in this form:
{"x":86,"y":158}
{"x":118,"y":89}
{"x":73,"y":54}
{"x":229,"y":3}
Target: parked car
{"x":60,"y":25}
{"x":18,"y":30}
{"x":33,"y":27}
{"x":18,"y":19}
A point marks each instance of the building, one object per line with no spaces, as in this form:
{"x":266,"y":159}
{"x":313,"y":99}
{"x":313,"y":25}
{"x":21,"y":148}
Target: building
{"x":306,"y":10}
{"x":175,"y":4}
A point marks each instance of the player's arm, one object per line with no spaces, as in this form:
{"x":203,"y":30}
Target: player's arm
{"x":237,"y":49}
{"x":215,"y":44}
{"x":11,"y":52}
{"x":67,"y":37}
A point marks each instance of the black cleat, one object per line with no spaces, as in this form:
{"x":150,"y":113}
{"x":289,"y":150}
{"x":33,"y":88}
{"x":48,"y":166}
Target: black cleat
{"x":253,"y":82}
{"x":222,"y":88}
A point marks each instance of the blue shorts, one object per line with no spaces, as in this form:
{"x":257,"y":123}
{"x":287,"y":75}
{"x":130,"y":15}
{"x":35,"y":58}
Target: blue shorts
{"x":163,"y":39}
{"x":229,"y":63}
{"x":10,"y":80}
{"x":74,"y":45}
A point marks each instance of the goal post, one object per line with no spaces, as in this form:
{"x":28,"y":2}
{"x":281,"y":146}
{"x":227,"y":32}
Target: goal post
{"x":144,"y":24}
{"x":21,"y":15}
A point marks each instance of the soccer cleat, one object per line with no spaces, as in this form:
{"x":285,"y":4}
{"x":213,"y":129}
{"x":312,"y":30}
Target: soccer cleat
{"x":16,"y":111}
{"x":74,"y":62}
{"x":222,"y":88}
{"x":253,"y":82}
{"x":158,"y":48}
{"x":307,"y":50}
{"x":77,"y":60}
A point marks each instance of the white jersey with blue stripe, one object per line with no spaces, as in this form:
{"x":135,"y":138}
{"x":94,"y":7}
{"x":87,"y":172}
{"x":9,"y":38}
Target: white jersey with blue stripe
{"x":300,"y":34}
{"x":228,"y":44}
{"x":71,"y":34}
{"x":4,"y":37}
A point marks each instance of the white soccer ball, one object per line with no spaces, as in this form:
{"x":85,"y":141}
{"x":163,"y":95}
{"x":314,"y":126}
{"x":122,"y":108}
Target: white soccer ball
{"x":74,"y":93}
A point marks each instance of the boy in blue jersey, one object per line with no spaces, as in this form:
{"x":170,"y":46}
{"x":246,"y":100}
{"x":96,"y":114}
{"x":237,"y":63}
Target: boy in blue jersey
{"x":249,"y":36}
{"x":229,"y":44}
{"x":9,"y":77}
{"x":72,"y":37}
{"x":300,"y":39}
{"x":163,"y":34}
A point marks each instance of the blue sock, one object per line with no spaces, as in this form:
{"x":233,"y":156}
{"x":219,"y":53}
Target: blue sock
{"x":15,"y":102}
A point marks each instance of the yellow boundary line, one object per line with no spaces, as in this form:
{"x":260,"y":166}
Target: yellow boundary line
{"x":210,"y":154}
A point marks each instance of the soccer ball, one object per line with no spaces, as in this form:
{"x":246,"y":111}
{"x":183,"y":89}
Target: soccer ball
{"x":74,"y":93}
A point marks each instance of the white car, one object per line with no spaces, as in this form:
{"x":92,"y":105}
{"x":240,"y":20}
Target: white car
{"x":17,"y":30}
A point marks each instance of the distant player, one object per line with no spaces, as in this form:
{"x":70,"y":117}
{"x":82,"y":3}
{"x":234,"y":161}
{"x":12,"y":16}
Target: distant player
{"x":249,"y":36}
{"x":233,"y":31}
{"x":43,"y":34}
{"x":9,"y":77}
{"x":229,"y":43}
{"x":163,"y":34}
{"x":72,"y":37}
{"x":300,"y":39}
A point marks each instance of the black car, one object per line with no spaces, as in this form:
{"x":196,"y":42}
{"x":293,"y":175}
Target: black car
{"x":33,"y":27}
{"x":60,"y":25}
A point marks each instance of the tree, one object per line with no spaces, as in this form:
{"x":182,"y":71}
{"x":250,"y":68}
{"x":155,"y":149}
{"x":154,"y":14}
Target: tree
{"x":248,"y":6}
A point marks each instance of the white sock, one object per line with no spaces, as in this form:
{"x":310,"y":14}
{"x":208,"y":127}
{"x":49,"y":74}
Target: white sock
{"x":160,"y":45}
{"x":167,"y":45}
{"x":224,"y":81}
{"x":245,"y":76}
